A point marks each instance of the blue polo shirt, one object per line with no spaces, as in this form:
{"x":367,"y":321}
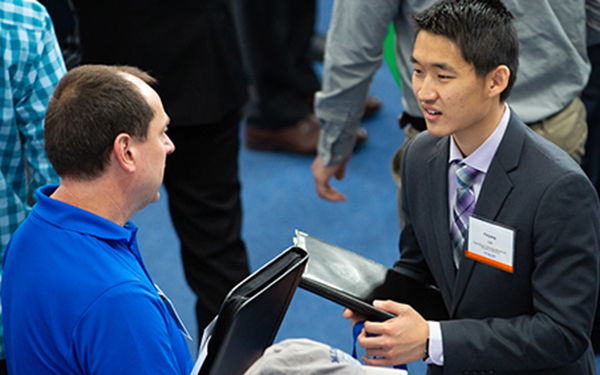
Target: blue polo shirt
{"x":77,"y":299}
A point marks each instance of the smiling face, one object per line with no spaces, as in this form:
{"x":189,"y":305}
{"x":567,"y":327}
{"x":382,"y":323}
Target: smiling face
{"x":454,"y":100}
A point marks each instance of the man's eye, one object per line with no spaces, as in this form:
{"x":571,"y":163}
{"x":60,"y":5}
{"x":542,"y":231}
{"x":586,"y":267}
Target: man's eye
{"x":441,"y":76}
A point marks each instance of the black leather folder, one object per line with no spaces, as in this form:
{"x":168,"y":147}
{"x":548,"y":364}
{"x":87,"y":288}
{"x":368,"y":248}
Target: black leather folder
{"x":355,"y":282}
{"x":252,"y":313}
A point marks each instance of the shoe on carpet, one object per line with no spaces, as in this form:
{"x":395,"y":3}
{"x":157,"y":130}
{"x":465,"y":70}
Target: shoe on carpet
{"x":372,"y":106}
{"x":301,"y":138}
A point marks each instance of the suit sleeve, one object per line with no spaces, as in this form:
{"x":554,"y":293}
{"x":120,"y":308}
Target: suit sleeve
{"x":411,"y":256}
{"x":564,"y":282}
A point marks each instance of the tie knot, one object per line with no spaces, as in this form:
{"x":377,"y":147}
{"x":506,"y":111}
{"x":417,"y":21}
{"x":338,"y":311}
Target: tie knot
{"x":465,"y":175}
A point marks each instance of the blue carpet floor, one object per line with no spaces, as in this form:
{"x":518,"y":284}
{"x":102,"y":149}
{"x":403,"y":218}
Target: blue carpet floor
{"x":278,"y":196}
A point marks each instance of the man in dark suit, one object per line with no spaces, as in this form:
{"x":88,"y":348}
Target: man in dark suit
{"x":191,"y":48}
{"x":501,"y":220}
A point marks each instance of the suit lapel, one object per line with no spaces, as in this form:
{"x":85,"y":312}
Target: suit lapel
{"x":494,"y":191}
{"x":438,"y":174}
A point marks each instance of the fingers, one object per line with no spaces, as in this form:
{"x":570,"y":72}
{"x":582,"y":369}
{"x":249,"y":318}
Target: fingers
{"x":386,"y":351}
{"x":377,"y":355}
{"x":378,"y":332}
{"x":322,"y":176}
{"x":379,"y":361}
{"x":377,"y":352}
{"x":328,"y":192}
{"x":354,"y":317}
{"x":405,"y":315}
{"x":348,"y":314}
{"x":341,"y":171}
{"x":393,"y":307}
{"x":399,"y":340}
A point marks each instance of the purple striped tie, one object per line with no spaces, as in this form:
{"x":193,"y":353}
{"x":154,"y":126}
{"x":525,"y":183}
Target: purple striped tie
{"x":463,"y":208}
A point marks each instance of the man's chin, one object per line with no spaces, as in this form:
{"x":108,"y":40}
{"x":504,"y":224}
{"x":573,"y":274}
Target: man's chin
{"x":436,"y":129}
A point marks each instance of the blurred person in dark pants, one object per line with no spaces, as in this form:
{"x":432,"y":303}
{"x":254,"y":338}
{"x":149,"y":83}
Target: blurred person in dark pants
{"x":191,"y":48}
{"x":276,"y":36}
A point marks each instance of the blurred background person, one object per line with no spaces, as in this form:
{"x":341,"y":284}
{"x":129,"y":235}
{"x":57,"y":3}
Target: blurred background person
{"x":32,"y":65}
{"x":191,"y":48}
{"x":276,"y":42}
{"x":591,"y":98}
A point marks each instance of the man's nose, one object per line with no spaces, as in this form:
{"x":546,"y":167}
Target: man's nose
{"x":426,"y":91}
{"x":170,"y":146}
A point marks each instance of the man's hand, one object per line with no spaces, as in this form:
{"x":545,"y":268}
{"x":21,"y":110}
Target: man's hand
{"x":399,"y":340}
{"x":322,"y":175}
{"x":354,"y":317}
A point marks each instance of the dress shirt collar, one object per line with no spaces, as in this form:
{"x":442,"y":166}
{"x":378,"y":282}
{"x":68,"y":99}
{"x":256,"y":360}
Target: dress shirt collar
{"x":482,"y":157}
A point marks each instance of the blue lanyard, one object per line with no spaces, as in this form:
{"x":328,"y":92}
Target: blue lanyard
{"x":355,"y":332}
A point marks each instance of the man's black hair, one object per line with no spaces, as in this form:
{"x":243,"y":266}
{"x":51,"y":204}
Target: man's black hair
{"x":482,"y":30}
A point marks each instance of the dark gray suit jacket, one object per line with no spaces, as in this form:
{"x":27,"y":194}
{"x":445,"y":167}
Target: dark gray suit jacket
{"x":538,"y":319}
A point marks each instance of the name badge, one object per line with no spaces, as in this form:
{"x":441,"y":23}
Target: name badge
{"x":491,"y":243}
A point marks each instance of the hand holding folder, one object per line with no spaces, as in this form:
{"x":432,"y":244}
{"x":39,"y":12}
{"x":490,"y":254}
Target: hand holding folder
{"x":355,"y":282}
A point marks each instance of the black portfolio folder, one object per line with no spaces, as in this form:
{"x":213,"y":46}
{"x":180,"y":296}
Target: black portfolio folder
{"x":355,"y":282}
{"x":251,"y":314}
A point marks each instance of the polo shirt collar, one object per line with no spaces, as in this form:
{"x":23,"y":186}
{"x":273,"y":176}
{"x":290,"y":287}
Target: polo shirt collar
{"x":72,"y":218}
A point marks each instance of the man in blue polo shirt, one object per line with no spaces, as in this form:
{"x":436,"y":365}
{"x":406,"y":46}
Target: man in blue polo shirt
{"x":76,"y":296}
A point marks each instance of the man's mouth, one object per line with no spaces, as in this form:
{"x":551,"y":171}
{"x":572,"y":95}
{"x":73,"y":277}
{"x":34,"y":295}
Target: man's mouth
{"x":430,"y":114}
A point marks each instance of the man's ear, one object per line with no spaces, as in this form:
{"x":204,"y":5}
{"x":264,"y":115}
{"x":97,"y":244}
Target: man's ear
{"x":497,"y":80}
{"x":123,"y":152}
